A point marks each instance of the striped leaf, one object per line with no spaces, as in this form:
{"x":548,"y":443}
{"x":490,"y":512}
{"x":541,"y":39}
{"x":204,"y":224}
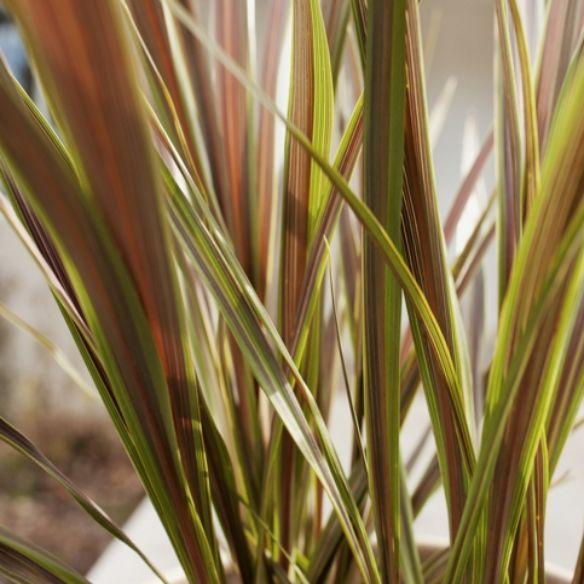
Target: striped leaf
{"x":21,"y":561}
{"x":385,"y":84}
{"x":116,"y":199}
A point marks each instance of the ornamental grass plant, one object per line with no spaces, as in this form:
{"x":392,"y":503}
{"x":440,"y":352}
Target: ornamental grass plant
{"x":229,"y":270}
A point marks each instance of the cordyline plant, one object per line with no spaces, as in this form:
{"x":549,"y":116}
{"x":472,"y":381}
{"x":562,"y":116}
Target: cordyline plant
{"x":208,"y":268}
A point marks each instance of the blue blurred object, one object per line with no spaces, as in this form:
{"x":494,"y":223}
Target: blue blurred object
{"x":13,"y":50}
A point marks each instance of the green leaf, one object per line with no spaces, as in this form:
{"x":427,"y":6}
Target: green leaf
{"x":531,"y":177}
{"x":559,"y":43}
{"x":56,"y":353}
{"x":171,"y":88}
{"x":345,"y":159}
{"x":130,"y":304}
{"x":336,"y":14}
{"x":366,"y":217}
{"x":508,"y":138}
{"x":544,"y":281}
{"x":11,"y":436}
{"x":311,"y":109}
{"x":426,"y":255}
{"x":263,"y":222}
{"x":220,"y":271}
{"x":385,"y":88}
{"x":21,"y":561}
{"x":563,"y":414}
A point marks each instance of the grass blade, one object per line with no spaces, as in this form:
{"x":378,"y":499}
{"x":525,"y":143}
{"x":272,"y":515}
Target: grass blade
{"x":56,"y":353}
{"x":227,"y":282}
{"x":466,"y":188}
{"x":177,"y":105}
{"x":311,"y":109}
{"x":425,"y":250}
{"x":118,"y":181}
{"x":562,"y":32}
{"x":270,"y":50}
{"x":570,"y":394}
{"x":232,"y":35}
{"x":11,"y":436}
{"x":531,"y":165}
{"x":345,"y":160}
{"x":336,"y":16}
{"x":552,"y":235}
{"x":384,"y":155}
{"x":393,"y":258}
{"x":508,"y":140}
{"x":21,"y":561}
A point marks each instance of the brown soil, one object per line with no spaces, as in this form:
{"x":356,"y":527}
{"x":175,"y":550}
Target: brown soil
{"x":34,"y":506}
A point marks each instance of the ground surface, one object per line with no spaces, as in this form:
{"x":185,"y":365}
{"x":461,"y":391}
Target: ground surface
{"x":36,"y":507}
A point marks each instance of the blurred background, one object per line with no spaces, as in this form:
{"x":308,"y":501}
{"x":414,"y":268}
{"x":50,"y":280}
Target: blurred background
{"x":72,"y":428}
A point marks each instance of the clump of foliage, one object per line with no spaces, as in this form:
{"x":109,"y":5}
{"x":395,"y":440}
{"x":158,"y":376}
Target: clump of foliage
{"x":208,"y":280}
